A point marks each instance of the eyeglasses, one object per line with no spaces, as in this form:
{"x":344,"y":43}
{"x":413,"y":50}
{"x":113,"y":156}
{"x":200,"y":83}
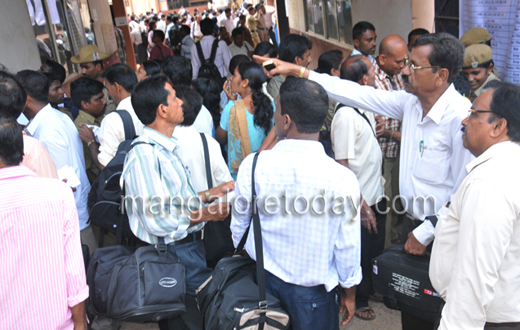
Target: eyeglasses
{"x":472,"y":113}
{"x":414,"y":67}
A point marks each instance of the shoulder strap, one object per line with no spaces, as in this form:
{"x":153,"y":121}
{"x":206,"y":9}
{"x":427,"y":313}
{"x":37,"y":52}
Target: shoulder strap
{"x":199,"y":52}
{"x":128,"y":124}
{"x":340,"y":105}
{"x":213,"y":51}
{"x":207,"y":160}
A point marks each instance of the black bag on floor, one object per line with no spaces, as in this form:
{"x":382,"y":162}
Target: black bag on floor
{"x":217,"y":235}
{"x":231,"y":298}
{"x":404,"y":283}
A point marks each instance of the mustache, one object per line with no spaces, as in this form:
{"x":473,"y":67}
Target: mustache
{"x":405,"y":78}
{"x":463,"y":129}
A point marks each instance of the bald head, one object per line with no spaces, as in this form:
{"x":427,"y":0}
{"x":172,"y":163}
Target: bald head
{"x":392,"y":51}
{"x":359,"y":69}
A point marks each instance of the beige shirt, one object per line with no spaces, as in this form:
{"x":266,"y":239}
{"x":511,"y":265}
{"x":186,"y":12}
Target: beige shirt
{"x":475,"y":263}
{"x":353,"y":139}
{"x":112,"y":131}
{"x":191,"y":152}
{"x":84,"y":118}
{"x":37,"y":158}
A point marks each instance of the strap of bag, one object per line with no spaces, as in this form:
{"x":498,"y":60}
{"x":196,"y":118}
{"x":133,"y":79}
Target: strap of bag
{"x":128,"y":124}
{"x":199,"y":52}
{"x":213,"y":51}
{"x":242,"y":243}
{"x":112,"y":287}
{"x":361,"y":114}
{"x":207,"y":160}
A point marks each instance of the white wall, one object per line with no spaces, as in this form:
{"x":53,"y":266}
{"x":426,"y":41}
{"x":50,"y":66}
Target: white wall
{"x":100,"y":13}
{"x":18,"y":50}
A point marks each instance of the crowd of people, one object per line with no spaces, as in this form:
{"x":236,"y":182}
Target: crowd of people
{"x":415,"y":145}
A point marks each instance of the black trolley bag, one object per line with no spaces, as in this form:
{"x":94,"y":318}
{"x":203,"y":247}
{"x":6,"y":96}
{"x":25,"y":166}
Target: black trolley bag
{"x":144,"y":284}
{"x":403,"y":281}
{"x":231,"y":299}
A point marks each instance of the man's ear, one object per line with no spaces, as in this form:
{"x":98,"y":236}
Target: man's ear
{"x":356,"y":43}
{"x":499,"y":128}
{"x":364,"y":80}
{"x":85,"y":105}
{"x":443,"y":76}
{"x":287,"y":123}
{"x":162,"y":111}
{"x":382,"y":59}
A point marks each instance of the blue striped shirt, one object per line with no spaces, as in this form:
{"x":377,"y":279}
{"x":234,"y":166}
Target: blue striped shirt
{"x":159,"y":192}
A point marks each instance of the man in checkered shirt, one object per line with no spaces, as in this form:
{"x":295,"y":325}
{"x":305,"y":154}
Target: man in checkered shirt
{"x":388,"y":65}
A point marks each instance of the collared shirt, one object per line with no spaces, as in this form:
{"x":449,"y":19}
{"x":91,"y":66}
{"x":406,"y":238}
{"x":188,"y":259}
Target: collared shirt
{"x":60,"y":137}
{"x":476,"y":254}
{"x":187,"y":44}
{"x":37,"y":158}
{"x":395,"y":83}
{"x":112,"y":131}
{"x":195,"y":30}
{"x":136,"y":37}
{"x":433,"y":159}
{"x":357,"y":52}
{"x":268,"y":16}
{"x":473,"y":94}
{"x":204,"y":121}
{"x":157,"y":175}
{"x":42,"y":274}
{"x":228,"y":24}
{"x":191,"y":152}
{"x":235,"y":50}
{"x":321,"y":246}
{"x":84,"y":118}
{"x":161,"y":25}
{"x":353,"y":139}
{"x":222,"y":57}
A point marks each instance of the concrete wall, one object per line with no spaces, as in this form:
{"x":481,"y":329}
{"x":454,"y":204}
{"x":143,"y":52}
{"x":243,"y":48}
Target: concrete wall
{"x":19,"y":50}
{"x":424,"y":14}
{"x":100,"y":13}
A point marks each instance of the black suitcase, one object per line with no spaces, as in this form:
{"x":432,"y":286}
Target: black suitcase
{"x":403,"y":281}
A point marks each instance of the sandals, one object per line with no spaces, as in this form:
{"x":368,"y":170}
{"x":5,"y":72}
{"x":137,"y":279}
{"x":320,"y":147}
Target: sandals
{"x":365,"y":313}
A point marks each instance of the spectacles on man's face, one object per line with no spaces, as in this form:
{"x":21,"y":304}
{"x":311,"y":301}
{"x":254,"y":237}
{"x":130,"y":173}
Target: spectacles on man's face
{"x":414,"y":67}
{"x":472,"y":113}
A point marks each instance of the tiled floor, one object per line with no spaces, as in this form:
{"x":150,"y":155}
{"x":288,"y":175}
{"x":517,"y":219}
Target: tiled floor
{"x":386,"y":319}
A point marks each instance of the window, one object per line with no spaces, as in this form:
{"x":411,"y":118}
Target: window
{"x":336,"y":14}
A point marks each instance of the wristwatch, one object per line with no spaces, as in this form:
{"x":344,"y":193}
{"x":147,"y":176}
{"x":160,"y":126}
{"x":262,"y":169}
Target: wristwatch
{"x":206,"y":193}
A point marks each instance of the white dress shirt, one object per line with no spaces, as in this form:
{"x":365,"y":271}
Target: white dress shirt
{"x":433,"y":159}
{"x":235,"y":50}
{"x":268,"y":16}
{"x":222,"y":57}
{"x":195,"y":30}
{"x":353,"y":139}
{"x":227,"y":23}
{"x":357,"y":52}
{"x":112,"y":132}
{"x":475,"y":262}
{"x":302,"y":248}
{"x":60,"y":137}
{"x":136,"y":37}
{"x":191,"y":152}
{"x":204,"y":122}
{"x":161,"y":25}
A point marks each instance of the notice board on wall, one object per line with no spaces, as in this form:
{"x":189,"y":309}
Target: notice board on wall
{"x":502,"y":19}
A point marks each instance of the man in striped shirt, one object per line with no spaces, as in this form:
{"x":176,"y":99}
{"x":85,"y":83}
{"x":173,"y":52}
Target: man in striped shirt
{"x":42,"y":278}
{"x":388,"y":66}
{"x":160,"y":199}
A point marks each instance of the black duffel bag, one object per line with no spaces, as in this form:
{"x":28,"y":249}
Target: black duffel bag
{"x":231,"y":298}
{"x":136,"y":284}
{"x":403,"y":281}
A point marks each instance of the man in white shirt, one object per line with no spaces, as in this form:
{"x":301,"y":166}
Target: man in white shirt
{"x":239,"y":45}
{"x":433,"y":159}
{"x":222,"y":57}
{"x":186,"y":41}
{"x":178,"y":70}
{"x":355,"y":146}
{"x":59,"y":136}
{"x":196,"y":33}
{"x":120,"y":80}
{"x":475,"y":258}
{"x":364,"y":36}
{"x":161,"y":25}
{"x":309,"y":248}
{"x":227,"y":21}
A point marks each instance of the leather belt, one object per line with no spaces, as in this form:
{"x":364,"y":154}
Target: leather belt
{"x":192,"y":237}
{"x":506,"y":325}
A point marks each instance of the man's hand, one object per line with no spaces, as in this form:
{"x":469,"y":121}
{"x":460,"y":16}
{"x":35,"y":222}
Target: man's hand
{"x":413,"y":246}
{"x":380,"y":125}
{"x":222,"y":190}
{"x":214,"y":212}
{"x":85,"y":134}
{"x":281,"y":67}
{"x":348,"y":305}
{"x":368,"y":218}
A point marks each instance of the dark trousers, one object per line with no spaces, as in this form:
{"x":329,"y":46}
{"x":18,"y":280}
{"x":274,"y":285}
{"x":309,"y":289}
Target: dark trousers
{"x":193,"y":257}
{"x":308,"y":307}
{"x":410,"y":322}
{"x":371,"y":246}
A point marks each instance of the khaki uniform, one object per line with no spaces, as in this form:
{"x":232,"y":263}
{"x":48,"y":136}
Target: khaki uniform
{"x":87,"y":119}
{"x":252,"y":25}
{"x":474,"y":94}
{"x":110,"y":104}
{"x":263,"y":33}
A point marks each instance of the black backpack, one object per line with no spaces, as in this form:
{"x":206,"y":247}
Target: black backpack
{"x":208,"y":68}
{"x":104,"y":199}
{"x":174,"y":40}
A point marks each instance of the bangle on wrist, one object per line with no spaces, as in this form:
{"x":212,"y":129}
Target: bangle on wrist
{"x":90,"y":142}
{"x":302,"y":71}
{"x":206,"y":193}
{"x":392,"y":135}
